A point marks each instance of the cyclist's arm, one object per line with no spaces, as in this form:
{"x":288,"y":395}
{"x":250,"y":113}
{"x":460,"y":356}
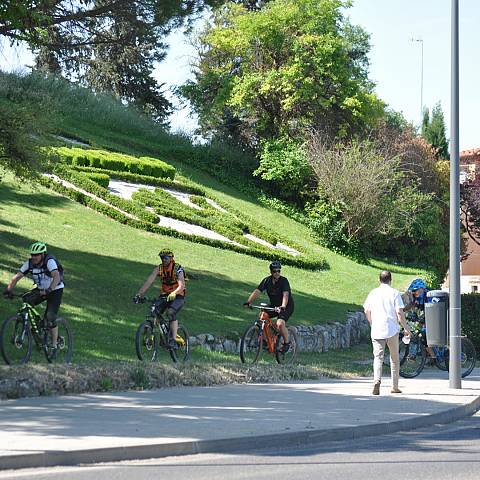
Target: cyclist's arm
{"x":15,"y":279}
{"x":181,"y":283}
{"x":55,"y":280}
{"x":285,"y":299}
{"x":151,"y":278}
{"x":254,"y":295}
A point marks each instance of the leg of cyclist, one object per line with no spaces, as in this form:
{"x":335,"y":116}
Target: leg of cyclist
{"x":171,"y":314}
{"x":283,"y":317}
{"x":54,"y":300}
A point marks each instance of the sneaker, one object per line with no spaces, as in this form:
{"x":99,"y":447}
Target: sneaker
{"x":286,"y":347}
{"x":172,"y":344}
{"x":53,"y":353}
{"x":395,"y":390}
{"x":376,"y":389}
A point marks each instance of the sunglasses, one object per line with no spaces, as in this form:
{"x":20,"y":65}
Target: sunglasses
{"x":165,"y":257}
{"x":277,"y":270}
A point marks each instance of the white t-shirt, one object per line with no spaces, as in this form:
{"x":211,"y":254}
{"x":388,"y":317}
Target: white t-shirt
{"x":384,"y":302}
{"x":40,"y":278}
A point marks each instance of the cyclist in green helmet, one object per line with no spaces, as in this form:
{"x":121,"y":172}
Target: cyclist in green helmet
{"x":47,"y":274}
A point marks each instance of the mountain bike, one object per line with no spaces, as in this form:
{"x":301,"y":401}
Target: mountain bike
{"x":153,"y":334}
{"x":264,"y":335}
{"x":413,"y":356}
{"x":19,"y":332}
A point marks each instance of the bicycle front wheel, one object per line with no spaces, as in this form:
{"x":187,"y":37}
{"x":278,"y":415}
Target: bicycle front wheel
{"x":15,"y":341}
{"x":62,"y":351}
{"x":251,"y":345}
{"x":468,"y":357}
{"x":413,"y":359}
{"x":286,"y":357}
{"x":182,"y":352}
{"x":146,"y":342}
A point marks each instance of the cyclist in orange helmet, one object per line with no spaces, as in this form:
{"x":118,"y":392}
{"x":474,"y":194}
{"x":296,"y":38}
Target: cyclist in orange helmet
{"x":172,"y":276}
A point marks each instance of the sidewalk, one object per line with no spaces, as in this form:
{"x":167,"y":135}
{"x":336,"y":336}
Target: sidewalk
{"x":89,"y":428}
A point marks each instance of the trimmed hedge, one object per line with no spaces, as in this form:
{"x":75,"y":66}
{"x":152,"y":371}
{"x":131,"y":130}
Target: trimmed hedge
{"x":114,"y":161}
{"x":259,"y":252}
{"x":101,"y":178}
{"x":471,"y":318}
{"x":81,"y":181}
{"x":181,"y":184}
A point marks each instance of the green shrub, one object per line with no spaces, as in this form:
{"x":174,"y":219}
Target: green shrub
{"x":106,"y":160}
{"x":471,"y":318}
{"x":101,"y":178}
{"x":284,"y":163}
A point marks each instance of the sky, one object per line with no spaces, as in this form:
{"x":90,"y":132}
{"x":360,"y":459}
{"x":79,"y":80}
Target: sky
{"x":395,"y":60}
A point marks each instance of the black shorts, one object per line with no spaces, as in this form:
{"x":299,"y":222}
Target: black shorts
{"x":53,"y":299}
{"x":284,"y":314}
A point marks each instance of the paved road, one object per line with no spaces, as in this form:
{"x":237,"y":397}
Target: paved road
{"x":437,"y":453}
{"x":92,"y":428}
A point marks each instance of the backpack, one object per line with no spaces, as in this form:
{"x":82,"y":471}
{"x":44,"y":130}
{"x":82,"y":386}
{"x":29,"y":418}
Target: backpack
{"x":43,"y":266}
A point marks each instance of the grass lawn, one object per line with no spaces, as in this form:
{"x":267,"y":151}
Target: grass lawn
{"x":106,"y":262}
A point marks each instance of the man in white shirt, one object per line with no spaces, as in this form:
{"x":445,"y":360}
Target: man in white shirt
{"x":384,"y":311}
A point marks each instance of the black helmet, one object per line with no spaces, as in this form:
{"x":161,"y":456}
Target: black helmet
{"x":275,"y":265}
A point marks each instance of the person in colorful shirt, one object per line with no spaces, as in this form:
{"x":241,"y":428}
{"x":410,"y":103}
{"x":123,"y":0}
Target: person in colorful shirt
{"x":47,"y":274}
{"x":172,"y":276}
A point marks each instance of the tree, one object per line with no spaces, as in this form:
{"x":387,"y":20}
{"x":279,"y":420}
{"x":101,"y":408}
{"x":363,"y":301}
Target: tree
{"x":277,"y":72}
{"x":433,"y":131}
{"x":109,"y":45}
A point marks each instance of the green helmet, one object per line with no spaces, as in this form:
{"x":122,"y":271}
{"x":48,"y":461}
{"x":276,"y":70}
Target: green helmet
{"x":37,"y":248}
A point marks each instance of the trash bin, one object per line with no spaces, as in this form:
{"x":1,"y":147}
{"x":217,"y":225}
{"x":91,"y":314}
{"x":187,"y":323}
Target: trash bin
{"x":436,"y":317}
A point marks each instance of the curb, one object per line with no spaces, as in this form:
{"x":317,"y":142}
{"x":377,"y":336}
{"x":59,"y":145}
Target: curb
{"x":231,"y":445}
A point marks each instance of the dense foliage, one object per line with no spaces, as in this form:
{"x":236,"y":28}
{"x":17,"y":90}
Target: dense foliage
{"x":434,"y":131}
{"x":273,"y":73}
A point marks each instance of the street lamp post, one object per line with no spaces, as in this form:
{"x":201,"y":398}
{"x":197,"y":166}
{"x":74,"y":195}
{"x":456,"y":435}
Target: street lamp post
{"x":455,"y":378}
{"x":420,"y":40}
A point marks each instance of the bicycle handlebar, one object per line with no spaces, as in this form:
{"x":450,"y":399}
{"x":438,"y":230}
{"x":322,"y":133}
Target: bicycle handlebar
{"x":147,"y":299}
{"x":264,"y":307}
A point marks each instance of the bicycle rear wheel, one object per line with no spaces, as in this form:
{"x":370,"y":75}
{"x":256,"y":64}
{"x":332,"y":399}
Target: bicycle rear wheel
{"x":468,"y":357}
{"x":286,"y":357}
{"x":441,"y":357}
{"x":413,"y":361}
{"x":146,"y":342}
{"x":251,"y":345}
{"x":62,"y":352}
{"x":15,"y":341}
{"x":182,"y":352}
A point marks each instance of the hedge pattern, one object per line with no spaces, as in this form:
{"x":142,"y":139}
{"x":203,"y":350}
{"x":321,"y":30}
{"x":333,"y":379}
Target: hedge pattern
{"x":81,"y":181}
{"x":114,"y":161}
{"x":303,"y":262}
{"x":180,"y":184}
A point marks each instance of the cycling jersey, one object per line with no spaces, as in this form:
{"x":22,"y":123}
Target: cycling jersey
{"x":42,"y":274}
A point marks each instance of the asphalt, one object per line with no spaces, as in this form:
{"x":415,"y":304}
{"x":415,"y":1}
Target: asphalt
{"x":90,"y":428}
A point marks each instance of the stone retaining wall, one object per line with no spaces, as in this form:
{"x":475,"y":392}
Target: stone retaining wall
{"x":315,"y":338}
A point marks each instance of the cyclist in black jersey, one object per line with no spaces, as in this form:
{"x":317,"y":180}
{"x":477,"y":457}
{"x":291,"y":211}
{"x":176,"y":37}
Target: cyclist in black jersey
{"x":280,"y":296}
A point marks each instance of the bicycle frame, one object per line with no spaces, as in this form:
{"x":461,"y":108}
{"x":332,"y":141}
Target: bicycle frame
{"x":268,"y":328}
{"x":30,"y":315}
{"x":160,"y":323}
